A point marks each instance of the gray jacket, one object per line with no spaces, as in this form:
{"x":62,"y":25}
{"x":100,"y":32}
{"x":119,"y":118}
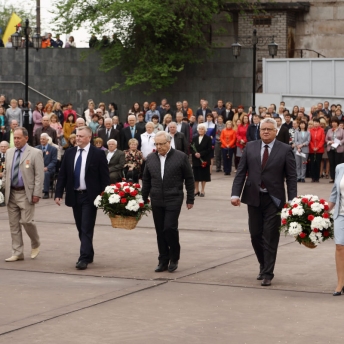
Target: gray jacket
{"x":304,"y":141}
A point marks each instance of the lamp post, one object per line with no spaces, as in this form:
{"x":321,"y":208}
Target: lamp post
{"x":17,"y":43}
{"x":254,"y":41}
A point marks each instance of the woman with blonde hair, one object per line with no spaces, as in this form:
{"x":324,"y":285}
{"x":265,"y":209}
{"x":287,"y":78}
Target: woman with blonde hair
{"x":89,"y":112}
{"x":167,"y":120}
{"x":57,"y":110}
{"x":105,"y":112}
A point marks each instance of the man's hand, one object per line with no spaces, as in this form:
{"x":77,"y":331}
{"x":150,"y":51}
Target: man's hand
{"x":236,"y":202}
{"x":189,"y":206}
{"x":45,"y":169}
{"x":197,"y":155}
{"x":35,"y":199}
{"x":58,"y":201}
{"x":331,"y":205}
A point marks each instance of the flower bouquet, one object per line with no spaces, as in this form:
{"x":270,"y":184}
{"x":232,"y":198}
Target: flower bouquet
{"x":203,"y":163}
{"x":123,"y":203}
{"x":308,"y":219}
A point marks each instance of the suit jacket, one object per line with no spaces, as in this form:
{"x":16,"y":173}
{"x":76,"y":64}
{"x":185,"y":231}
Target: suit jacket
{"x":199,"y":112}
{"x":204,"y":148}
{"x":116,"y":165}
{"x":33,"y":176}
{"x":49,"y":157}
{"x":96,"y":175}
{"x":7,"y":136}
{"x":180,"y":143}
{"x":279,"y":167}
{"x":49,"y":130}
{"x":299,"y":140}
{"x":185,"y":129}
{"x":169,"y":190}
{"x":252,"y":134}
{"x":114,"y":134}
{"x":335,"y":196}
{"x":283,"y":135}
{"x":126,"y":136}
{"x":339,"y":136}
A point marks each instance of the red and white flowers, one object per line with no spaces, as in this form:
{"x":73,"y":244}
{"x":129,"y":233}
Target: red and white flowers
{"x":124,"y":199}
{"x":308,"y":219}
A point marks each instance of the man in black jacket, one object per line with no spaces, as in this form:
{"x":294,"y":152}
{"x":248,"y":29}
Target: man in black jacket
{"x":282,"y":132}
{"x":165,"y":173}
{"x":178,"y":140}
{"x":84,"y":174}
{"x":132,"y":131}
{"x":108,"y":133}
{"x":253,"y":131}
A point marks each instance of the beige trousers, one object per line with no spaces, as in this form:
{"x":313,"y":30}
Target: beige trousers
{"x":21,"y":212}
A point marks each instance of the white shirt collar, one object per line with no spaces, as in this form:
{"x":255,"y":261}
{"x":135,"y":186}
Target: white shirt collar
{"x":86,"y":149}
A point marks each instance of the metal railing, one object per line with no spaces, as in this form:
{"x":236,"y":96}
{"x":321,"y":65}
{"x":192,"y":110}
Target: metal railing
{"x":302,"y":50}
{"x":31,"y":88}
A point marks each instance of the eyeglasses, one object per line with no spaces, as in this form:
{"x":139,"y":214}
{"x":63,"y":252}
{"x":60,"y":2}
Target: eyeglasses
{"x":160,"y":144}
{"x":267,"y":129}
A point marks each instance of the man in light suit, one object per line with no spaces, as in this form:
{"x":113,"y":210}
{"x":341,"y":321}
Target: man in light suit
{"x":50,"y":161}
{"x":267,"y":162}
{"x":84,"y":174}
{"x":116,"y":162}
{"x":108,"y":133}
{"x":23,"y":180}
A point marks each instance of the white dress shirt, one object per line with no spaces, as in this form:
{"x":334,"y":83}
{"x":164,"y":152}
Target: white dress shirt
{"x":162,"y":163}
{"x":179,"y":127}
{"x":83,"y":165}
{"x":147,"y":144}
{"x":110,"y":155}
{"x":173,"y":145}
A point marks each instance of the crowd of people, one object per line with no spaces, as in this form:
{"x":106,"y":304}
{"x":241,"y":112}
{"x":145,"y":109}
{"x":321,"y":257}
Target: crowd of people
{"x":212,"y":136}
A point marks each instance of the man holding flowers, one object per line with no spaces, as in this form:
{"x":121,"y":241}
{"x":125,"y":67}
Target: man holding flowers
{"x":264,"y":166}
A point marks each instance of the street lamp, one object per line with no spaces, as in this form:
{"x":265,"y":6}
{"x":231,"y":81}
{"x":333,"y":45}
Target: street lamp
{"x":254,"y":40}
{"x":17,"y":43}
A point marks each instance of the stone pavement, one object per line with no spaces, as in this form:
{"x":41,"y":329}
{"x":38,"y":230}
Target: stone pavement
{"x":213,"y":297}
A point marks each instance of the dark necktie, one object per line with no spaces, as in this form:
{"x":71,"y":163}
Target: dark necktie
{"x":108,"y":133}
{"x":265,"y":159}
{"x":77,"y":170}
{"x":257,"y":128}
{"x":16,"y":169}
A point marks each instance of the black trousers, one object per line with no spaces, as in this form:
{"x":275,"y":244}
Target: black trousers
{"x":315,"y":160}
{"x":264,"y":223}
{"x":166,"y":226}
{"x":85,"y":214}
{"x":334,"y":158}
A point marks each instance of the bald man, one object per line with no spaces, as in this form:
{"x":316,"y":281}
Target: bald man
{"x":45,"y":128}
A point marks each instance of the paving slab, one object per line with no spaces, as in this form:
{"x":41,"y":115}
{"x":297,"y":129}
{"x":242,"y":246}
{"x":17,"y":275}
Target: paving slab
{"x":30,"y":297}
{"x":179,"y":313}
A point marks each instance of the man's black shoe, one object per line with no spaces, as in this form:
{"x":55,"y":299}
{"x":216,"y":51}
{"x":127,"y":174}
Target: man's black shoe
{"x":161,"y":267}
{"x":46,"y":195}
{"x":260,"y":277}
{"x":81,"y":265}
{"x":266,"y":283}
{"x":173,"y":266}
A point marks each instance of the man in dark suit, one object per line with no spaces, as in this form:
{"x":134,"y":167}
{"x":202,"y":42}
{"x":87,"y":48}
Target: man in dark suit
{"x":266,"y":163}
{"x":182,"y":127}
{"x":165,"y":173}
{"x":84,"y":174}
{"x":220,"y":109}
{"x":45,"y":128}
{"x":116,"y":161}
{"x":282,"y":132}
{"x":253,"y":131}
{"x":108,"y":132}
{"x":50,"y":161}
{"x":204,"y":110}
{"x":132,"y":131}
{"x":178,"y":140}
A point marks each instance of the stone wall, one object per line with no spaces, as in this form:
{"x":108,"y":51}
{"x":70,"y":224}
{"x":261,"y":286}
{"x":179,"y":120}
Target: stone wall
{"x":60,"y":74}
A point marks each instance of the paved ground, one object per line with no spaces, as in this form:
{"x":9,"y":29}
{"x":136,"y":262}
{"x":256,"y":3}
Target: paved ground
{"x":212,"y":298}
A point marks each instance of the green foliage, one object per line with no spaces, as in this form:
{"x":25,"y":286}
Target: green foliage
{"x":155,"y":38}
{"x":8,"y":9}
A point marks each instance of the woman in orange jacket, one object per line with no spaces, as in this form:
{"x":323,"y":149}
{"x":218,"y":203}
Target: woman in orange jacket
{"x":228,"y":146}
{"x":316,"y":149}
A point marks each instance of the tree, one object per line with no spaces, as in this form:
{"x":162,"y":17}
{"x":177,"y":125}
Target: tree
{"x":6,"y":12}
{"x":154,"y":39}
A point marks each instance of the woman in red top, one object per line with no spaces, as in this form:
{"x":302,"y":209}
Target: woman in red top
{"x":228,"y":145}
{"x":316,"y":149}
{"x":241,"y":139}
